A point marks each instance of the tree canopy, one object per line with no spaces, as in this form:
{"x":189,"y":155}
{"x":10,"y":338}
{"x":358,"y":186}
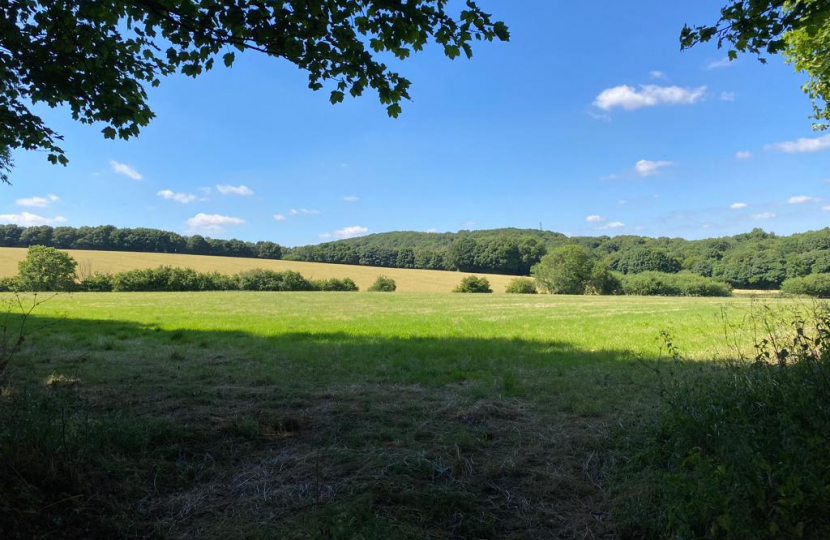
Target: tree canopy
{"x":800,"y":29}
{"x":97,"y":56}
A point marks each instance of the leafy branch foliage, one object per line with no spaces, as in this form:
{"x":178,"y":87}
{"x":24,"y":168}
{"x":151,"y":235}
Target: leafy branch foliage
{"x":97,"y":56}
{"x":800,"y":29}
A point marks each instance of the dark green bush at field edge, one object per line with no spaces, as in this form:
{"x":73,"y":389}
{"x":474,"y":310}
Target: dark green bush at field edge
{"x":739,"y":451}
{"x":816,"y":285}
{"x":473,"y":284}
{"x":682,"y":284}
{"x":383,"y":284}
{"x":521,"y":286}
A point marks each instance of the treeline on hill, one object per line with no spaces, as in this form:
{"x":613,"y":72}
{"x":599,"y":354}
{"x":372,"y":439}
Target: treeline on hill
{"x":109,"y":238}
{"x":754,"y":260}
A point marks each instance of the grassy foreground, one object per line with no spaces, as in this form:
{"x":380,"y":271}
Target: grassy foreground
{"x":120,"y":261}
{"x":332,"y":415}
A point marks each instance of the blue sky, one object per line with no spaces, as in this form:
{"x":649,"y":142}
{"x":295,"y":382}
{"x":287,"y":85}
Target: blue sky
{"x":588,"y":122}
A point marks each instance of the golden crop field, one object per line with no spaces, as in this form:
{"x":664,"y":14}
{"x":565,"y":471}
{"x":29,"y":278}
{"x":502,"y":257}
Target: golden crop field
{"x":364,"y":276}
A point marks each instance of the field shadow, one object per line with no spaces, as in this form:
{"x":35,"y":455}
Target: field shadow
{"x":216,"y":434}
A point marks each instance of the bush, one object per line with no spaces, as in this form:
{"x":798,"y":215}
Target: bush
{"x":269,"y":280}
{"x":473,"y":284}
{"x":682,"y":284}
{"x":817,"y":285}
{"x":97,"y":283}
{"x":521,"y":286}
{"x":334,"y":284}
{"x":9,"y":284}
{"x":383,"y":284}
{"x":46,"y":269}
{"x":739,"y":452}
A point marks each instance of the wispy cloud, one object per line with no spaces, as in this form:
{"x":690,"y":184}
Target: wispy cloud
{"x":27,"y":219}
{"x":826,"y":208}
{"x":171,"y":195}
{"x":594,"y":219}
{"x":746,"y":154}
{"x":649,"y":95}
{"x":801,"y":199}
{"x":126,"y":170}
{"x":805,"y":144}
{"x":303,"y":211}
{"x":350,"y":198}
{"x":279,"y":217}
{"x":720,"y":63}
{"x":763,"y":215}
{"x":613,"y":225}
{"x":234,"y":190}
{"x":347,"y":232}
{"x":657,"y":74}
{"x":646,"y":167}
{"x":37,"y":202}
{"x":727,"y":96}
{"x":212,"y":223}
{"x":738,"y":206}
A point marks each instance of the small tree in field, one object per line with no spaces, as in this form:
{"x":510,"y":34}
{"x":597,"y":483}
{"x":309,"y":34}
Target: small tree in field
{"x":46,"y":269}
{"x":383,"y":284}
{"x":572,"y":270}
{"x":473,"y":284}
{"x":521,"y":286}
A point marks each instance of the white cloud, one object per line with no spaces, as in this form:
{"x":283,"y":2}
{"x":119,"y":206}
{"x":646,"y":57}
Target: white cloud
{"x":801,"y":145}
{"x":743,"y":154}
{"x":594,"y":219}
{"x":764,"y":215}
{"x":826,"y":208}
{"x":649,"y":95}
{"x":613,"y":225}
{"x":170,"y":195}
{"x":234,"y":190}
{"x":37,"y":202}
{"x":657,"y":74}
{"x":305,"y":211}
{"x":279,"y":217}
{"x":432,"y":230}
{"x":738,"y":205}
{"x":646,"y":167}
{"x":126,"y":170}
{"x":801,"y":199}
{"x":27,"y":220}
{"x":350,"y":198}
{"x":722,"y":63}
{"x":468,"y":224}
{"x":727,"y":96}
{"x":347,"y":232}
{"x":212,"y":223}
{"x":611,"y":176}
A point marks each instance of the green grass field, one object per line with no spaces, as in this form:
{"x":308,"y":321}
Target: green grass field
{"x":339,"y":415}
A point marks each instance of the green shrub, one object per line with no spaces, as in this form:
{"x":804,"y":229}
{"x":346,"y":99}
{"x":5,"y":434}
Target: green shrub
{"x":46,"y":269}
{"x":473,"y":284}
{"x":521,"y":286}
{"x":739,"y":451}
{"x":682,"y":284}
{"x":817,"y":285}
{"x":334,"y":284}
{"x":269,"y":280}
{"x":97,"y":283}
{"x":9,"y":284}
{"x":573,"y":270}
{"x":383,"y":284}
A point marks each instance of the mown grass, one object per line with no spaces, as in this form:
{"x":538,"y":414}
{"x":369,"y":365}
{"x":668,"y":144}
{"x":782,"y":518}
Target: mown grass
{"x":332,"y":415}
{"x":407,"y":280}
